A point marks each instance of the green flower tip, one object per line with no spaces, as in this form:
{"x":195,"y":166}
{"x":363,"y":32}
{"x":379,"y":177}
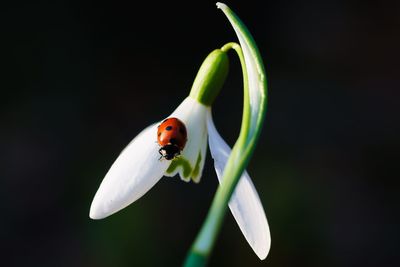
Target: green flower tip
{"x":211,"y":77}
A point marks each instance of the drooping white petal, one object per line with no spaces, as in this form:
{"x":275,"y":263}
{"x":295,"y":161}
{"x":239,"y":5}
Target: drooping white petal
{"x":134,"y":172}
{"x":254,"y":65}
{"x":193,"y":114}
{"x":244,"y":204}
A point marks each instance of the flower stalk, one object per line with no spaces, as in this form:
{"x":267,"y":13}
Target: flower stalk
{"x":254,"y":109}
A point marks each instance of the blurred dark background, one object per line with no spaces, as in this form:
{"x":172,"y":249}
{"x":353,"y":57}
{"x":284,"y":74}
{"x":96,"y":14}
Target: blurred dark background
{"x":81,"y":79}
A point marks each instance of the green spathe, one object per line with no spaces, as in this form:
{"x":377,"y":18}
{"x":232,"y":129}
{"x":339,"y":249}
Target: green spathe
{"x":211,"y":77}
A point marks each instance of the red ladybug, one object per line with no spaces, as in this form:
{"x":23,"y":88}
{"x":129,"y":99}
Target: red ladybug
{"x":172,"y":137}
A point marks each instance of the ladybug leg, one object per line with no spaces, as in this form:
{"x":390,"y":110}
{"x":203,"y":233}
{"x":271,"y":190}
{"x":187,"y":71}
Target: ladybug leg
{"x":162,"y":156}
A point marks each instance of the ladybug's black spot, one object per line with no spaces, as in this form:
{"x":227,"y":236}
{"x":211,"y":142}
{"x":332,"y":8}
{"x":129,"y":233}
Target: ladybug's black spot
{"x":172,"y":141}
{"x":159,"y":134}
{"x":169,"y":128}
{"x":182,"y":130}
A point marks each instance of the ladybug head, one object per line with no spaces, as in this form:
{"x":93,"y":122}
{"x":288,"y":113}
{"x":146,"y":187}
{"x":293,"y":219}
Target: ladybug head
{"x":169,"y":151}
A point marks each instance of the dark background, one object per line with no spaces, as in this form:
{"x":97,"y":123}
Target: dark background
{"x":81,"y":79}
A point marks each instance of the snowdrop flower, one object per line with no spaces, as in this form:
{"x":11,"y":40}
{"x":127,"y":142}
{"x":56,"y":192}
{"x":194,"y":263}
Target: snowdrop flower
{"x":139,"y":166}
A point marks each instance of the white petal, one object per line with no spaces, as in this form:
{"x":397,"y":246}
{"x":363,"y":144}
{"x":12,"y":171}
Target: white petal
{"x":244,"y":204}
{"x":135,"y":171}
{"x":193,"y":114}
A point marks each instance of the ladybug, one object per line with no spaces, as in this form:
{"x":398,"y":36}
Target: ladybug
{"x":172,"y":137}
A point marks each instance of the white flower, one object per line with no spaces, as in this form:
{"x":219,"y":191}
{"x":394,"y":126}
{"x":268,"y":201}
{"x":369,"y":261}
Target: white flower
{"x":138,"y":168}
